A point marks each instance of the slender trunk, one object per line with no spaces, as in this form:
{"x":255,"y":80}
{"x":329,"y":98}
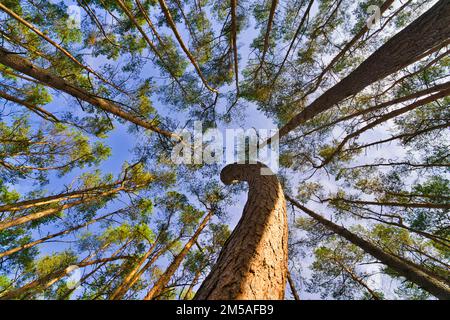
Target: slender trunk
{"x":125,"y":285}
{"x":51,"y":236}
{"x":51,"y":211}
{"x":294,"y":38}
{"x":358,"y":280}
{"x":56,"y":45}
{"x":14,"y":61}
{"x":233,"y":4}
{"x":292,"y":286}
{"x":33,"y":108}
{"x":162,"y":282}
{"x":139,"y":273}
{"x":422,"y":35}
{"x":22,"y":205}
{"x":407,"y":270}
{"x":383,"y":105}
{"x":193,"y":284}
{"x":191,"y":58}
{"x":253,"y":261}
{"x":268,"y":30}
{"x":383,"y":119}
{"x":427,"y":205}
{"x":147,"y":39}
{"x":48,"y":280}
{"x":82,"y":280}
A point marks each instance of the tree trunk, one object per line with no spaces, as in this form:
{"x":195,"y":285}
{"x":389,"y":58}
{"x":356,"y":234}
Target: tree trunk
{"x":406,"y":270}
{"x":51,"y":236}
{"x":292,"y":286}
{"x":233,"y":4}
{"x":48,"y":212}
{"x":26,"y":204}
{"x":162,"y":282}
{"x":197,"y":275}
{"x":268,"y":30}
{"x":191,"y":58}
{"x":14,"y":61}
{"x":48,"y":280}
{"x":122,"y":289}
{"x":358,"y":280}
{"x":430,"y":30}
{"x":253,"y":261}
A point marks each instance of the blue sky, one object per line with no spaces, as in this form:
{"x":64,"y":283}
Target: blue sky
{"x":122,"y":142}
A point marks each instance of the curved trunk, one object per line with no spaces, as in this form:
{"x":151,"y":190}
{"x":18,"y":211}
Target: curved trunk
{"x":253,"y":261}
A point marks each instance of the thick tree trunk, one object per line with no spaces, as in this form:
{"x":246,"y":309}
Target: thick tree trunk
{"x":406,"y":270}
{"x":162,"y":282}
{"x":430,"y":30}
{"x":253,"y":261}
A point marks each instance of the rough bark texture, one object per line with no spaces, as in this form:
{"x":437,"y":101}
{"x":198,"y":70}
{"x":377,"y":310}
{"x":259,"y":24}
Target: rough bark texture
{"x":425,"y":33}
{"x":253,"y":261}
{"x":406,"y":269}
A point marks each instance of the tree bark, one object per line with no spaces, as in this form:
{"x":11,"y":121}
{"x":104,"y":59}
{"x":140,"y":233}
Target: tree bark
{"x":253,"y":261}
{"x":406,"y":270}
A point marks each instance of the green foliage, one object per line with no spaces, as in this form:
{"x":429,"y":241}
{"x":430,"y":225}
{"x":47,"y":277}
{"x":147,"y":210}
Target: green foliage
{"x":84,"y":150}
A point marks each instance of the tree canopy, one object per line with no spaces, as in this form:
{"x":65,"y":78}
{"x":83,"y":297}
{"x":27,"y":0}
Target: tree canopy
{"x":95,"y":96}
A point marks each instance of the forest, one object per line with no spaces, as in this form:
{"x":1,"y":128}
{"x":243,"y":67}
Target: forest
{"x":132,"y":136}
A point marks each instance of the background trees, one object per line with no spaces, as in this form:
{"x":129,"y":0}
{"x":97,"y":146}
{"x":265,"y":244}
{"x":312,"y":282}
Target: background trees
{"x":90,"y":111}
